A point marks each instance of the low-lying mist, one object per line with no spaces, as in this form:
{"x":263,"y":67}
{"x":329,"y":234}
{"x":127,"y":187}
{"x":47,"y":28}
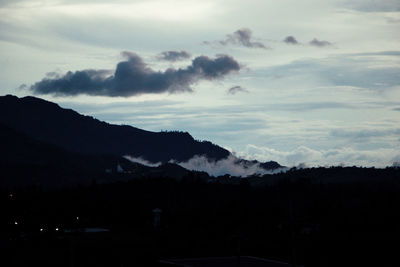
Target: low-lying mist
{"x":231,"y":165}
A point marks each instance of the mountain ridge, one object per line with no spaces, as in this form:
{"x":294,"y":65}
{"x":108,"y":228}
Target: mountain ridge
{"x":48,"y":122}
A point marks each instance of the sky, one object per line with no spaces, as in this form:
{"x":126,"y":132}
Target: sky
{"x":314,"y":82}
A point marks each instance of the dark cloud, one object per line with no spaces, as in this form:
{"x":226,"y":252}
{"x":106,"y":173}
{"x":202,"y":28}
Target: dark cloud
{"x":242,"y":37}
{"x":290,"y":40}
{"x":134,"y":77}
{"x":174,"y":55}
{"x":236,"y":89}
{"x":316,"y":42}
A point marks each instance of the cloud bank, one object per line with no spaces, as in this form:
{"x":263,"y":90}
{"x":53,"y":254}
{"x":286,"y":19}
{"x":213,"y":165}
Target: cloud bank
{"x":344,"y":156}
{"x":242,"y":37}
{"x":134,"y":77}
{"x":174,"y":55}
{"x":230,"y":165}
{"x":319,"y":43}
{"x":291,"y":40}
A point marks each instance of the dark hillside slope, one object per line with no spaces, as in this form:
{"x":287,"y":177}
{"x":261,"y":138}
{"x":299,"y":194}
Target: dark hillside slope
{"x":25,"y":161}
{"x":48,"y":122}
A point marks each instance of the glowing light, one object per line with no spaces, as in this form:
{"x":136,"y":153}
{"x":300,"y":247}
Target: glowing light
{"x":15,"y":222}
{"x":57,"y":229}
{"x":41,"y":229}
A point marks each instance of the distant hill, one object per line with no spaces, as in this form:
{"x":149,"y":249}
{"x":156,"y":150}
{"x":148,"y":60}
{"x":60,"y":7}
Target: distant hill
{"x":49,"y":123}
{"x":18,"y":148}
{"x":25,"y":161}
{"x":268,"y":165}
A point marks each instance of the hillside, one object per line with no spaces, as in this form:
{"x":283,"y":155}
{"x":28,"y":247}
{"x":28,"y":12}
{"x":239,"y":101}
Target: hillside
{"x":48,"y":122}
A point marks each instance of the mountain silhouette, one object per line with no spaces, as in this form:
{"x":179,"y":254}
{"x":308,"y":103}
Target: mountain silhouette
{"x":25,"y":161}
{"x":48,"y":122}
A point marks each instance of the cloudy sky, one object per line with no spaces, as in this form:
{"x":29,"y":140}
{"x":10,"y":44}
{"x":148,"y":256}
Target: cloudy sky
{"x":315,"y":82}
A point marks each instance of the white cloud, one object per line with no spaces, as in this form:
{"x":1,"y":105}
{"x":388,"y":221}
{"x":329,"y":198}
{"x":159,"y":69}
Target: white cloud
{"x":142,"y":161}
{"x":344,"y":156}
{"x":229,"y":166}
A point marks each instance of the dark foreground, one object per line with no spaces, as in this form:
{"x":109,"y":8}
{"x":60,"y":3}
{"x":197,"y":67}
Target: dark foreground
{"x":295,"y":219}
